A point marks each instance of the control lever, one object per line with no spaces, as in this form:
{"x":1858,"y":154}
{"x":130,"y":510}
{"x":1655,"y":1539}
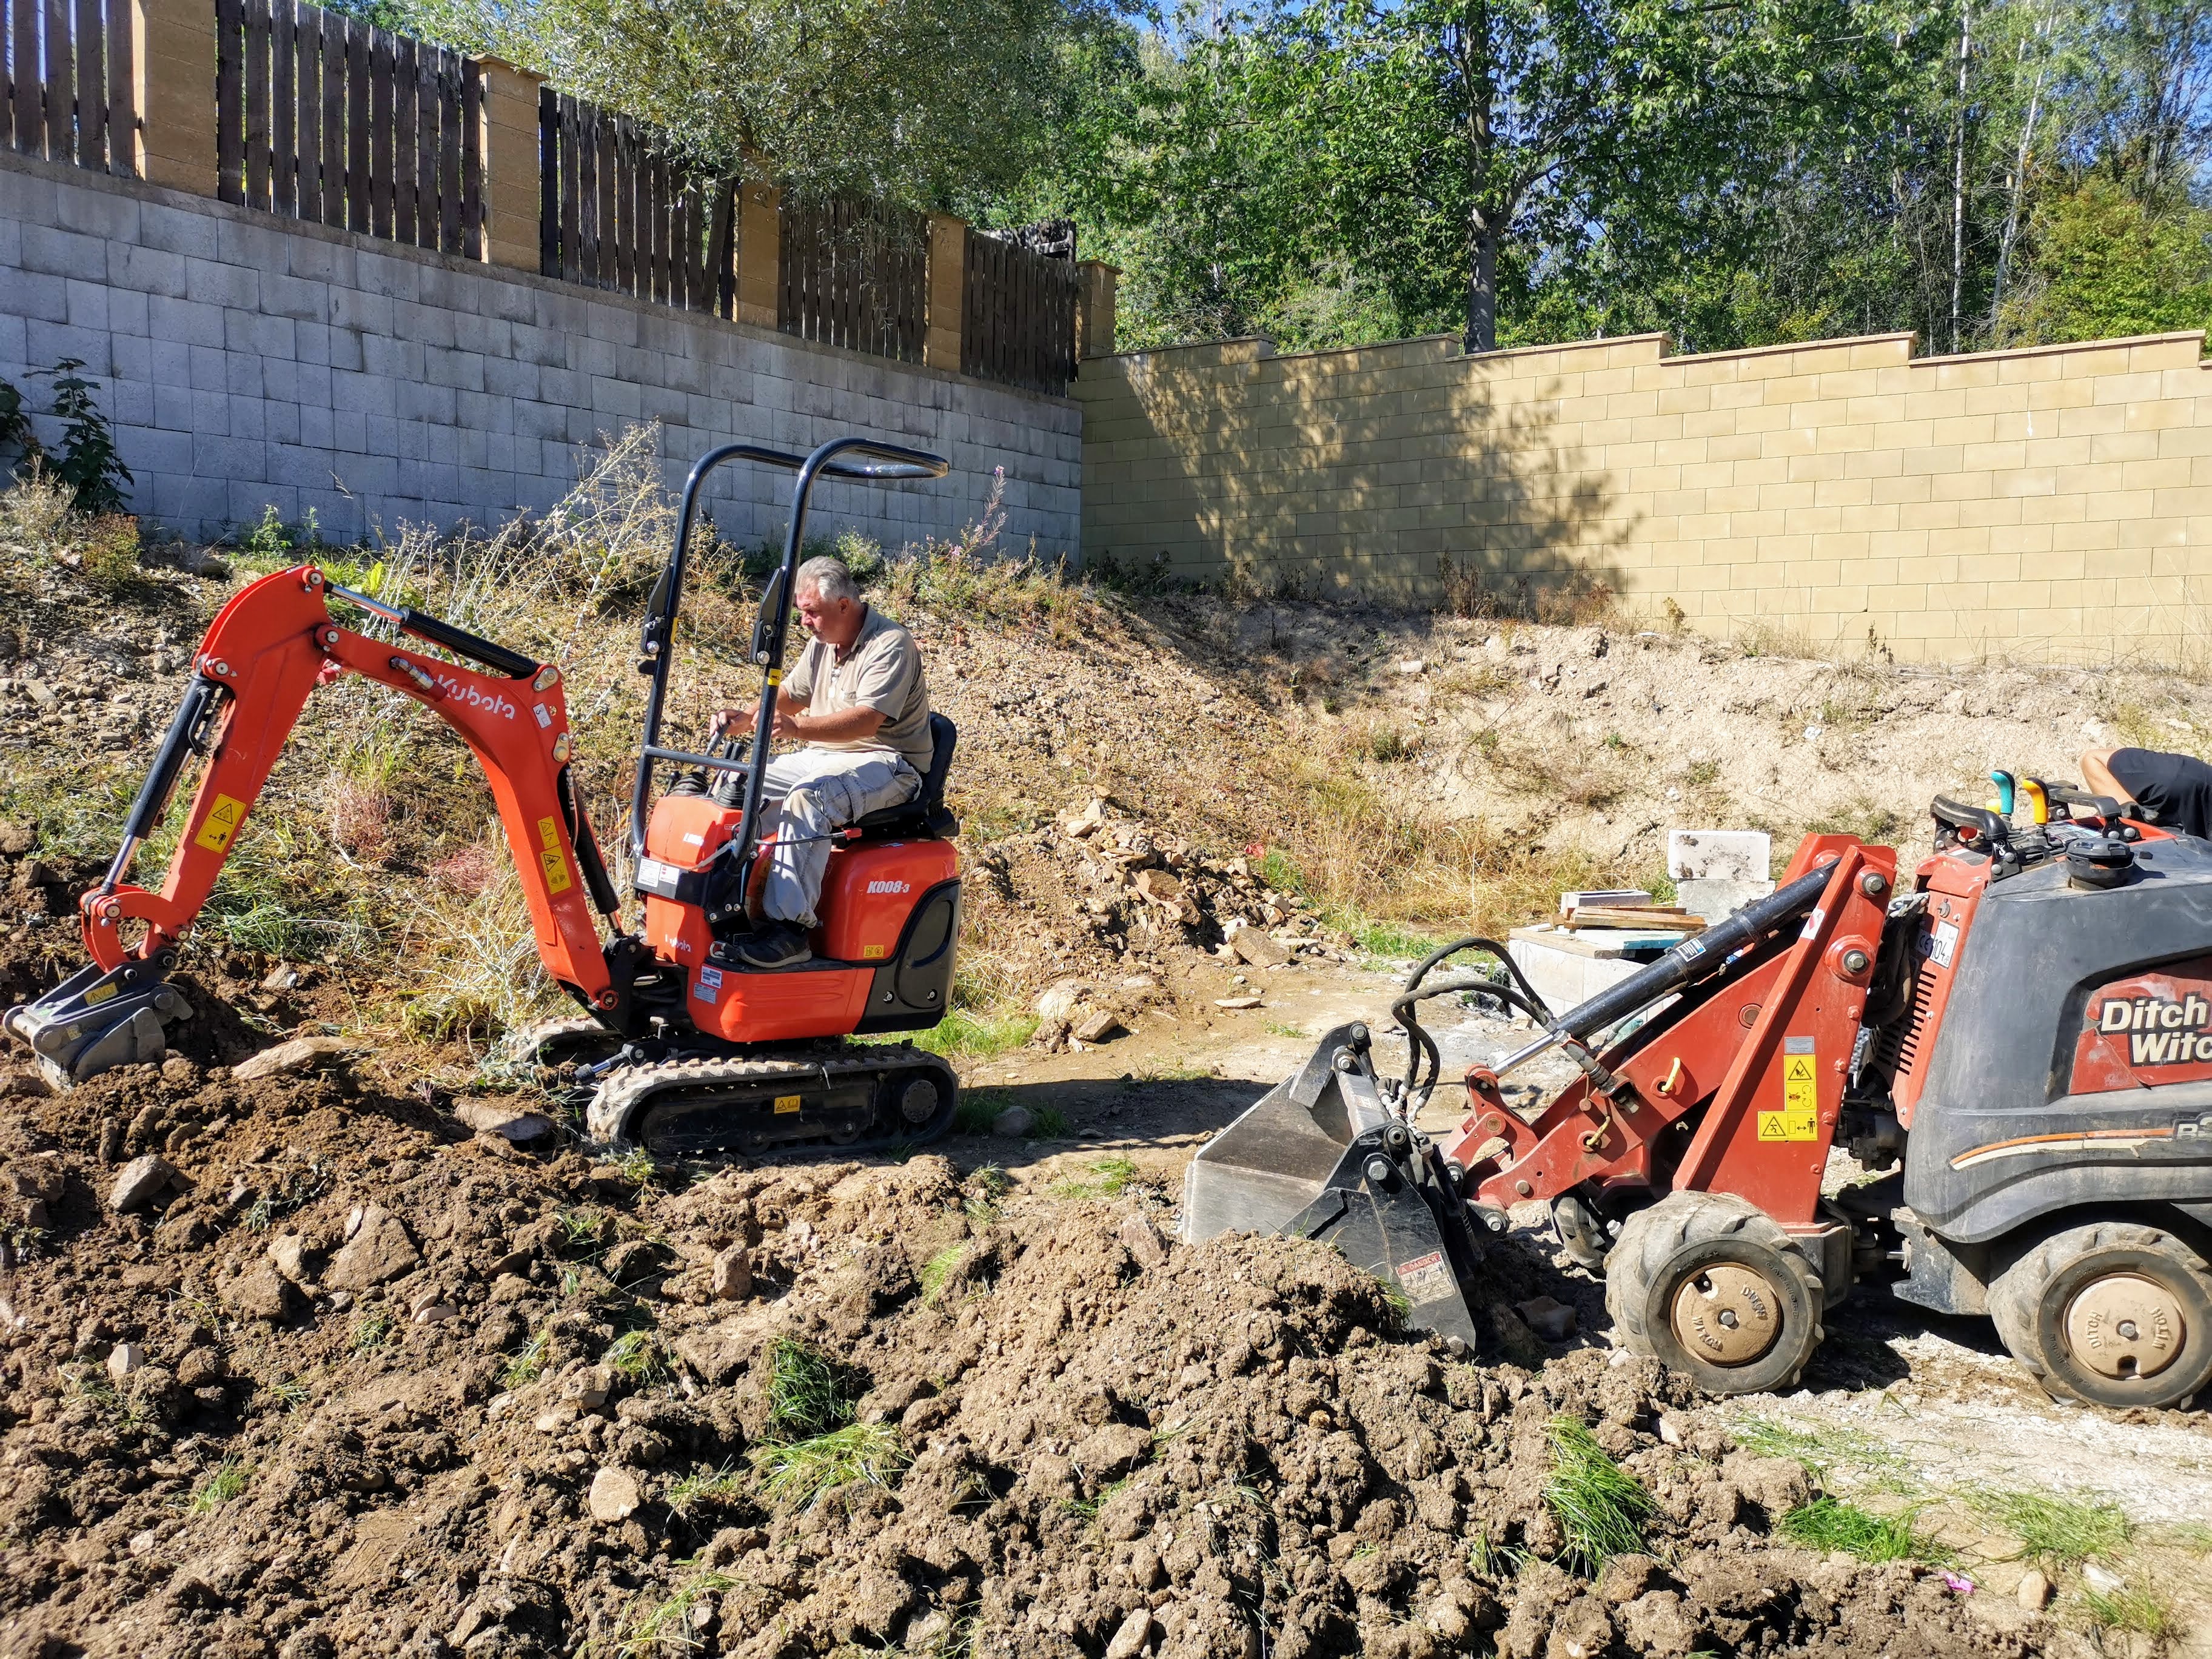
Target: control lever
{"x":2004,"y":800}
{"x":2039,"y":800}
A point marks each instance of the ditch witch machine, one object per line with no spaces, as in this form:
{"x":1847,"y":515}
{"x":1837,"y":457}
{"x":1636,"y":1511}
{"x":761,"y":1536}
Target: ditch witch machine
{"x":696,"y":1052}
{"x":2025,"y":1024}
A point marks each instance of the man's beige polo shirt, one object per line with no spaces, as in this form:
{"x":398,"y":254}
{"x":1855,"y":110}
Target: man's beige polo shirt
{"x":882,"y":671}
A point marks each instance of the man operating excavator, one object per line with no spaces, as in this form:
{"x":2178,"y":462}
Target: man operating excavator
{"x":858,"y":701}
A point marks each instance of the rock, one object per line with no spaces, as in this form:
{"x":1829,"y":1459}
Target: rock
{"x":1111,"y":1452}
{"x":200,"y":1368}
{"x":1013,"y":1123}
{"x":733,"y":1274}
{"x":1129,"y":1640}
{"x":717,"y":1352}
{"x":1658,"y":1623}
{"x":1057,"y":1000}
{"x":2034,"y":1590}
{"x":1411,"y":665}
{"x":1158,"y":886}
{"x":1674,"y":1427}
{"x":1550,"y":1319}
{"x":294,"y":1257}
{"x":282,"y":977}
{"x":16,"y":838}
{"x":436,"y":1313}
{"x":299,"y":1054}
{"x":262,"y":1293}
{"x":520,"y":1128}
{"x":1142,"y":1240}
{"x":1777,"y":1485}
{"x":1236,"y":1002}
{"x":615,"y":1496}
{"x":1080,"y":824}
{"x":1096,"y":1026}
{"x":139,"y":1182}
{"x":2102,"y":1579}
{"x":1253,"y":945}
{"x":378,"y":1247}
{"x":124,"y":1358}
{"x":509,"y":1287}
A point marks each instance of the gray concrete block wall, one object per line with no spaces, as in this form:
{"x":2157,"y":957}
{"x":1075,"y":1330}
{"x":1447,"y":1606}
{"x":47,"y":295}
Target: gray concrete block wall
{"x":248,"y":362}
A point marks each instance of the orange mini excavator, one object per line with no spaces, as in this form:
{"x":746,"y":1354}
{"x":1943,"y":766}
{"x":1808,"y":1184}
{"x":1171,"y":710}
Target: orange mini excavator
{"x":694,"y":1053}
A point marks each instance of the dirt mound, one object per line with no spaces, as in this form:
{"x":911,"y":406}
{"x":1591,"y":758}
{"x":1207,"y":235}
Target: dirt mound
{"x":348,"y":1379}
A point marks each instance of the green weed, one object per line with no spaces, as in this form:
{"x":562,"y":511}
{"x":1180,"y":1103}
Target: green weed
{"x":939,"y":1269}
{"x":219,"y":1488}
{"x":639,"y":1358}
{"x":1049,"y":1123}
{"x":529,"y":1365}
{"x":704,"y":1488}
{"x":978,"y":1035}
{"x":802,"y":1471}
{"x":2133,"y":1607}
{"x":1827,"y":1523}
{"x":372,"y":1330}
{"x":291,"y":1392}
{"x":1824,"y":1448}
{"x":1276,"y":1028}
{"x":1598,"y":1505}
{"x":669,"y":1622}
{"x":1109,"y":1178}
{"x":985,"y":1188}
{"x":974,"y":1113}
{"x":810,"y":1396}
{"x":2056,"y":1532}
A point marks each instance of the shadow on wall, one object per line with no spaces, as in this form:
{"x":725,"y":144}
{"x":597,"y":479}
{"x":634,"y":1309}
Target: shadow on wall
{"x":1408,"y":473}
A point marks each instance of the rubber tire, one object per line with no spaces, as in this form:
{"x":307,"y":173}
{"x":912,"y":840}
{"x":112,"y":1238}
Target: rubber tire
{"x":2029,"y":1301}
{"x":1583,"y":1246}
{"x":1684,"y":1233}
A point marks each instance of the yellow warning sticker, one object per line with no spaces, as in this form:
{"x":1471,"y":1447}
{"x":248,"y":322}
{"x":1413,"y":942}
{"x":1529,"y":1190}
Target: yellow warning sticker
{"x":549,"y":835}
{"x":870,"y":952}
{"x":786,"y":1103}
{"x":221,"y":825}
{"x":100,"y":994}
{"x":557,"y":872}
{"x":1799,"y":1118}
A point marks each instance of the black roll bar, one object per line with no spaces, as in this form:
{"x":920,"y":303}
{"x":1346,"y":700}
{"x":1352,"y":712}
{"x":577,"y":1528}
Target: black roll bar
{"x":873,"y":462}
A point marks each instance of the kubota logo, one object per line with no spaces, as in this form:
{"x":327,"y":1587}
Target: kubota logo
{"x":889,"y":887}
{"x":475,"y":699}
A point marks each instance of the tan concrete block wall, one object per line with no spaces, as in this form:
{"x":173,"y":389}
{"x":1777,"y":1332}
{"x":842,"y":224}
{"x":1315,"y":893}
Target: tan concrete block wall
{"x":2055,"y":502}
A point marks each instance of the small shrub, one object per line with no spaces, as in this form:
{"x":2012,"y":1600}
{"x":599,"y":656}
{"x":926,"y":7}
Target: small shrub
{"x":88,"y":463}
{"x":528,"y":1365}
{"x":227,"y":1482}
{"x":107,"y":551}
{"x":704,"y":1489}
{"x":639,"y":1358}
{"x":372,"y":1330}
{"x":1598,"y":1505}
{"x":2133,"y":1607}
{"x":35,"y":514}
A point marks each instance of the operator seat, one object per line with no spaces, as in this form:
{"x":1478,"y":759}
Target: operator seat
{"x":926,"y":816}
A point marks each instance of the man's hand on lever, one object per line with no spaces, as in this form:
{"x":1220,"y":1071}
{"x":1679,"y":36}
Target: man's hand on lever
{"x":794,"y":723}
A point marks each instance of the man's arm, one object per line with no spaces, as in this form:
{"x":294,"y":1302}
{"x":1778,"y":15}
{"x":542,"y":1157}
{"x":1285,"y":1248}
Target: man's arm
{"x":794,"y":722}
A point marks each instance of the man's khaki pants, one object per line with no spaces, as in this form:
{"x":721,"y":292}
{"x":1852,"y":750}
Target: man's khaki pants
{"x":821,"y":790}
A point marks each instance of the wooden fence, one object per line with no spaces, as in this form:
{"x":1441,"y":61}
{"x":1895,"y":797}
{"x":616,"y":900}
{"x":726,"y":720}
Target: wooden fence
{"x":322,"y":116}
{"x":854,"y":274}
{"x":71,"y":82}
{"x":1018,"y":316}
{"x":619,"y":211}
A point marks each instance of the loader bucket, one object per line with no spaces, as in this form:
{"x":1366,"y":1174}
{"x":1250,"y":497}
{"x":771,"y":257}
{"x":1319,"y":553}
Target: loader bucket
{"x":1320,"y":1157}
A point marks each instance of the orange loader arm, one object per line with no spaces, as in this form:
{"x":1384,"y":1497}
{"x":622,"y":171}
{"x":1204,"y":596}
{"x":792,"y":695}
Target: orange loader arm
{"x":265,"y":652}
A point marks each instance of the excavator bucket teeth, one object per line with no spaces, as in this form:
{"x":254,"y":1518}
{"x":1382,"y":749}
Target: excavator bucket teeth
{"x":1320,"y":1157}
{"x":96,"y":1020}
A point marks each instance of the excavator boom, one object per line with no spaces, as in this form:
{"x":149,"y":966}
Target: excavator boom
{"x":267,"y":650}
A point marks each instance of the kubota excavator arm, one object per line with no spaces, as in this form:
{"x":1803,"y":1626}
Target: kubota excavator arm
{"x":264,"y":654}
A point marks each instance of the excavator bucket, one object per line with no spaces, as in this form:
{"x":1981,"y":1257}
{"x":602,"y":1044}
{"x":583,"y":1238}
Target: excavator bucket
{"x":97,"y":1019}
{"x":1321,"y":1156}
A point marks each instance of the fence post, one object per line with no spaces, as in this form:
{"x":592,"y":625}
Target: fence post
{"x":1094,"y":309}
{"x":948,"y":290}
{"x":174,"y":69}
{"x":760,"y":247}
{"x":510,"y":151}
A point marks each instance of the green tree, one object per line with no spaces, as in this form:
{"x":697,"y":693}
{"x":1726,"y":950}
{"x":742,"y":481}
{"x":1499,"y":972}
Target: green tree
{"x":919,"y":101}
{"x":2106,"y":264}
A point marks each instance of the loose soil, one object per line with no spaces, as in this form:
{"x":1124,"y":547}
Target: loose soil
{"x":359,"y":1380}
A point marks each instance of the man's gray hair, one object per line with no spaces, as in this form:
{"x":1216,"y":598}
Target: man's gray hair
{"x":827,"y":576}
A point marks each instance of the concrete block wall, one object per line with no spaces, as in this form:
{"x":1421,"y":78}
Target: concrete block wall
{"x":250,"y":361}
{"x":2055,"y":502}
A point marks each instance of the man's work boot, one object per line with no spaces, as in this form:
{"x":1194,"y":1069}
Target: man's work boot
{"x":779,"y":945}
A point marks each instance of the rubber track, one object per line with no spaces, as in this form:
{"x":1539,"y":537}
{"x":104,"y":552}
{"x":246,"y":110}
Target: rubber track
{"x":620,"y":1096}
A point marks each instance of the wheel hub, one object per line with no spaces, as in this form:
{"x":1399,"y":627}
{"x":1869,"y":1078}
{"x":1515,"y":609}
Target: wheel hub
{"x":2125,"y":1325}
{"x":1726,"y":1314}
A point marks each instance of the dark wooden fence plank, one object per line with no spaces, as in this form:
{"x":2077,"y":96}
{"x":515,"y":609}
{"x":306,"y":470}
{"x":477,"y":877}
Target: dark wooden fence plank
{"x":406,"y":116}
{"x":229,"y":100}
{"x":472,"y":159}
{"x":122,"y":90}
{"x":449,"y":151}
{"x":429,"y":117}
{"x":28,"y":96}
{"x":549,"y":182}
{"x":307,"y":80}
{"x":602,"y":141}
{"x":91,"y":86}
{"x":61,"y":125}
{"x":334,"y":127}
{"x":356,"y":117}
{"x":257,"y":79}
{"x":380,"y":133}
{"x":283,"y":107}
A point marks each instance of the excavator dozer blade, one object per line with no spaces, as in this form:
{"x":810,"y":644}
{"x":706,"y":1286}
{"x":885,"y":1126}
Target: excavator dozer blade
{"x":1320,"y":1157}
{"x":97,"y":1019}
